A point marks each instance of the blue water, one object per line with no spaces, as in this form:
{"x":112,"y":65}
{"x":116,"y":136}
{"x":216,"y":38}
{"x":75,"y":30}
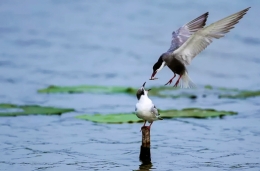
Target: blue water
{"x":115,"y":42}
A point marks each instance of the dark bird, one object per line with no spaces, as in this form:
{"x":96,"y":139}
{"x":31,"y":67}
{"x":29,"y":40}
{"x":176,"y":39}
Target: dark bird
{"x":189,"y":41}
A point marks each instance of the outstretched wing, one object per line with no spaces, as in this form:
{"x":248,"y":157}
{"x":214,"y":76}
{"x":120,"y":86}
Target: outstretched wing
{"x":184,"y":32}
{"x":202,"y":38}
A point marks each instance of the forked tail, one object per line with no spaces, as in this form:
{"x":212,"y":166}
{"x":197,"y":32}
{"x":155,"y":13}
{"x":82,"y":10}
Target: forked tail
{"x":186,"y":82}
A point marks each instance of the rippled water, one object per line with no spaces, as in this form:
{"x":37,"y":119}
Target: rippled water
{"x":116,"y":42}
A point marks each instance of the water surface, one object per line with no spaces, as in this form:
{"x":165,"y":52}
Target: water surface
{"x":116,"y":43}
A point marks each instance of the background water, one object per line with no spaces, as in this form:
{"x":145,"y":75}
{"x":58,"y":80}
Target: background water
{"x":62,"y":42}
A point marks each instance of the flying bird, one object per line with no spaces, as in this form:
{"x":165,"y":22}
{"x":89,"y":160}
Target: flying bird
{"x":145,"y":109}
{"x":188,"y":41}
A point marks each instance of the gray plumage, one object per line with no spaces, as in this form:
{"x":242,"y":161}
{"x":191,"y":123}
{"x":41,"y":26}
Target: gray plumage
{"x":187,"y":43}
{"x":183,"y":33}
{"x":154,"y":110}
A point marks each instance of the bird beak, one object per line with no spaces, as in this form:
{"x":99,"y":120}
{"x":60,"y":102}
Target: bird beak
{"x":152,"y":77}
{"x":144,"y":84}
{"x":149,"y":89}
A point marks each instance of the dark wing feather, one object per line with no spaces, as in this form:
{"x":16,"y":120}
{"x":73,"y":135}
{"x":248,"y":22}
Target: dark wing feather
{"x":183,"y":33}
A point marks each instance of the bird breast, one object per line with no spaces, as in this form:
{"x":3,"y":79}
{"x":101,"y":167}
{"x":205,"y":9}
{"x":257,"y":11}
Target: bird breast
{"x":143,"y":111}
{"x":175,"y":65}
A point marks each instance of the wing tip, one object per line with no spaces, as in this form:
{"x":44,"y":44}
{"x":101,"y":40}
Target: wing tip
{"x":244,"y":11}
{"x":198,"y":22}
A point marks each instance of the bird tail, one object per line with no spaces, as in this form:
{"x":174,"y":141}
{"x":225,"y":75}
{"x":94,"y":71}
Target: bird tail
{"x":186,"y":81}
{"x":160,"y":118}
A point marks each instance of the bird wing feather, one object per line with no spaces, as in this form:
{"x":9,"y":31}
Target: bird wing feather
{"x":154,"y":110}
{"x":183,"y":33}
{"x":203,"y":37}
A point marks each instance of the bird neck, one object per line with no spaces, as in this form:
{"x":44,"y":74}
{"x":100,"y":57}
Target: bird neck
{"x":144,"y":99}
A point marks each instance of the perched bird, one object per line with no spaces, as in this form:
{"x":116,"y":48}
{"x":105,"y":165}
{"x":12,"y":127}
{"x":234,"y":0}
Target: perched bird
{"x":145,"y":108}
{"x":189,"y":41}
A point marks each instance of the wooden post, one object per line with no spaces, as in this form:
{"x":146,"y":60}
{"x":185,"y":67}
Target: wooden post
{"x":145,"y":154}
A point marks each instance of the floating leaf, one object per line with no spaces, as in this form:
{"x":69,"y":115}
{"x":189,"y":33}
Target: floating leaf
{"x":162,"y":91}
{"x":18,"y":110}
{"x":156,"y":91}
{"x":132,"y":118}
{"x":209,"y":87}
{"x":111,"y":118}
{"x":88,"y":89}
{"x":241,"y":95}
{"x":195,"y":113}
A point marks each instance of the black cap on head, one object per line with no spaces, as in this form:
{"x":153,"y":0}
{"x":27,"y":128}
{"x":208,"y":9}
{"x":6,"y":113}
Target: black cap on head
{"x":158,"y":64}
{"x":140,"y":92}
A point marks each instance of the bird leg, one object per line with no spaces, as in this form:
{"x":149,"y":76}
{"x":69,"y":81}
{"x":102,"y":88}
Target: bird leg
{"x":143,"y":126}
{"x":149,"y":127}
{"x":177,"y":82}
{"x":170,"y":81}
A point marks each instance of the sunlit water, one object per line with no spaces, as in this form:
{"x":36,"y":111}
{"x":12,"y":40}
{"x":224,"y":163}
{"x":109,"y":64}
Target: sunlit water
{"x":116,"y":43}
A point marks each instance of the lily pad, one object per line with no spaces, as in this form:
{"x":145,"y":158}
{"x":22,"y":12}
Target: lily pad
{"x":19,"y":110}
{"x":111,"y":118}
{"x":241,"y":95}
{"x":209,"y":87}
{"x":195,"y":113}
{"x":162,"y":91}
{"x":132,"y":118}
{"x":87,"y":89}
{"x":156,"y":91}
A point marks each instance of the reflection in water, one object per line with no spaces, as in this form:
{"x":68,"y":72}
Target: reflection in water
{"x":145,"y":166}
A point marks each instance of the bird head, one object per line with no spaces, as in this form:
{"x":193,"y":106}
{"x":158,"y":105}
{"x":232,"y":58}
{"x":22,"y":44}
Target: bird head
{"x":157,"y":67}
{"x":142,"y":92}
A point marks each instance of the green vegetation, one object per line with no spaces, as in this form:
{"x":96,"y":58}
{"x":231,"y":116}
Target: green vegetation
{"x":241,"y":95}
{"x":87,"y":89}
{"x":162,"y":91}
{"x":132,"y":118}
{"x":17,"y":110}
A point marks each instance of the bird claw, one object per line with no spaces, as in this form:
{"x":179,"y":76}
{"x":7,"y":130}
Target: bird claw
{"x":145,"y":127}
{"x":142,"y":128}
{"x":176,"y":84}
{"x":169,"y":82}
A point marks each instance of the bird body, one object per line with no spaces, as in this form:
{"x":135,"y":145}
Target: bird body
{"x":174,"y":64}
{"x":144,"y":108}
{"x":188,"y":41}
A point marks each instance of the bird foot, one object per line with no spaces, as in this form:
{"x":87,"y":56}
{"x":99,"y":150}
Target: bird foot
{"x":145,"y":127}
{"x":169,"y":82}
{"x":176,"y":84}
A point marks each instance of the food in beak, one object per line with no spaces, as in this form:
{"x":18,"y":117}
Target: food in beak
{"x":152,"y":77}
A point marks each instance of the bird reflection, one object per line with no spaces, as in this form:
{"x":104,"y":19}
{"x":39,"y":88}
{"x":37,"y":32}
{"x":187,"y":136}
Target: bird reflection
{"x":145,"y":166}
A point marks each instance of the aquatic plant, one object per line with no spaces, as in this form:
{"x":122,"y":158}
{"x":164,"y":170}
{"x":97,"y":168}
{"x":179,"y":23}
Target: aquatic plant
{"x":19,"y":110}
{"x":166,"y":114}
